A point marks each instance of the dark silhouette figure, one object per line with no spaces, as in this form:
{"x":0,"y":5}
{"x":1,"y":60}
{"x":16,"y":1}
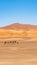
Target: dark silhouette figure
{"x":5,"y":42}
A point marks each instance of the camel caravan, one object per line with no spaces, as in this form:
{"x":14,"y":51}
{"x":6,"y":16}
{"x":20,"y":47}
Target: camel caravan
{"x":8,"y":41}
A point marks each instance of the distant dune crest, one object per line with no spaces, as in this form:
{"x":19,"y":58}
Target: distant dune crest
{"x":19,"y":30}
{"x":18,"y":26}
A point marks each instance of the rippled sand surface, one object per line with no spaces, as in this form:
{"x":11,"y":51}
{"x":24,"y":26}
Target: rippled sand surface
{"x":19,"y":54}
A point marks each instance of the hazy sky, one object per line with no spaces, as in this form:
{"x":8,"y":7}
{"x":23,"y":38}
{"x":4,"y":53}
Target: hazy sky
{"x":23,"y":11}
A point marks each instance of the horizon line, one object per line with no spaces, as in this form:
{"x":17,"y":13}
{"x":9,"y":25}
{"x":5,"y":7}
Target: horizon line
{"x":19,"y":23}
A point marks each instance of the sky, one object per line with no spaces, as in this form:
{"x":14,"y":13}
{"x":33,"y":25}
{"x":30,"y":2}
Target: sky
{"x":18,"y":11}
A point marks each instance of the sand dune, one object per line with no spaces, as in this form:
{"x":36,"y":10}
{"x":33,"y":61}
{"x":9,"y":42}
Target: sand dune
{"x":18,"y":44}
{"x":19,"y":30}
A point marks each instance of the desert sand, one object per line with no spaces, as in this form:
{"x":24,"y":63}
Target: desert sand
{"x":18,"y":45}
{"x":19,"y":54}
